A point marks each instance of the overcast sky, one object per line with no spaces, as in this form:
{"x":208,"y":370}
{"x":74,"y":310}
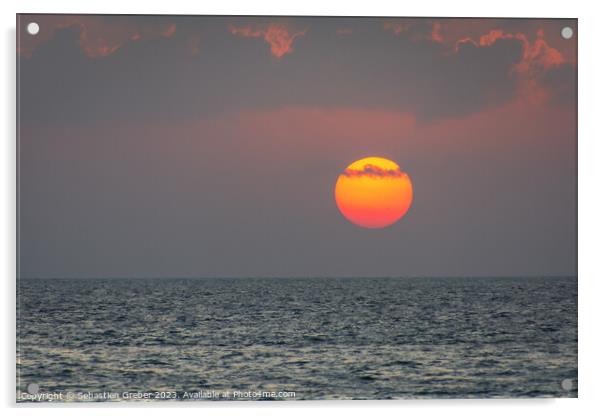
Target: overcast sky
{"x":210,"y":146}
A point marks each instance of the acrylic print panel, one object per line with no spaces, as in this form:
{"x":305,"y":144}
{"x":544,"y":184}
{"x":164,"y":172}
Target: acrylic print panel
{"x":293,"y":208}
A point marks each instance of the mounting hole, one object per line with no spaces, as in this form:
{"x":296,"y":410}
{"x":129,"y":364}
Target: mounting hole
{"x":33,"y":388}
{"x":566,"y":32}
{"x":567,"y":384}
{"x":33,"y":28}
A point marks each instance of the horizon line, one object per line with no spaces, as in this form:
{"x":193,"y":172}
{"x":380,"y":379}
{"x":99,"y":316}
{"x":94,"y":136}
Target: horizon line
{"x":300,"y":277}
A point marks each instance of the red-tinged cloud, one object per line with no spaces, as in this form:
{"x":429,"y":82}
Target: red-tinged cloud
{"x":416,"y":29}
{"x":538,"y":57}
{"x":170,"y":31}
{"x":395,"y":27}
{"x":98,"y":37}
{"x":538,"y":53}
{"x":535,"y":54}
{"x":193,"y":45}
{"x":373,"y":171}
{"x":436,"y":33}
{"x":276,"y":35}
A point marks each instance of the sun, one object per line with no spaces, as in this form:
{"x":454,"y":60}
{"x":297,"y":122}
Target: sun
{"x":373,"y":192}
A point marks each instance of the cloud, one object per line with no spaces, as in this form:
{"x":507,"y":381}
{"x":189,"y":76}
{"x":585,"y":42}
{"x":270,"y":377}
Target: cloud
{"x":539,"y":55}
{"x":169,"y":32}
{"x":193,"y":45}
{"x":373,"y":171}
{"x":276,"y":35}
{"x":395,"y":27}
{"x":344,"y":31}
{"x":416,"y":29}
{"x":378,"y":71}
{"x":98,"y":36}
{"x":536,"y":55}
{"x":436,"y":33}
{"x":538,"y":58}
{"x":464,"y":38}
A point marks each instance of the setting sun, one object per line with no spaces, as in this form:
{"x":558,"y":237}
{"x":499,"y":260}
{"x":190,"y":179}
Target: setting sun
{"x":373,"y":192}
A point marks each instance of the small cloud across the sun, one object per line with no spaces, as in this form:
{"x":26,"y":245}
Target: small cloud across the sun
{"x":373,"y":171}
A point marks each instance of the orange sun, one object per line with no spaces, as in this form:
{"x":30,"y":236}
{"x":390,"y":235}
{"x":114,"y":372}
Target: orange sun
{"x":373,"y":192}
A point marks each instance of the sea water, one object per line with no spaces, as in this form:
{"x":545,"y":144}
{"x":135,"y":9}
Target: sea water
{"x":296,"y":338}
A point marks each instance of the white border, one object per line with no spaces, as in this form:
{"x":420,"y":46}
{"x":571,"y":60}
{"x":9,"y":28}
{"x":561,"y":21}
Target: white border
{"x":590,"y":204}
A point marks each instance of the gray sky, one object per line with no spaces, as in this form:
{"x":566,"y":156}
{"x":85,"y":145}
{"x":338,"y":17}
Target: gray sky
{"x":196,"y":146}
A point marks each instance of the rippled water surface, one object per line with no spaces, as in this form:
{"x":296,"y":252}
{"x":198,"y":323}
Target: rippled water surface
{"x":319,"y":338}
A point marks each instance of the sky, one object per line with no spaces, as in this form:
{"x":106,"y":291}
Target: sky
{"x":196,"y":146}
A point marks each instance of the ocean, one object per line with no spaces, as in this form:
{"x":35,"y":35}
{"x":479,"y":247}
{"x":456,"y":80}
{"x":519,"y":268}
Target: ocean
{"x":296,"y":338}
